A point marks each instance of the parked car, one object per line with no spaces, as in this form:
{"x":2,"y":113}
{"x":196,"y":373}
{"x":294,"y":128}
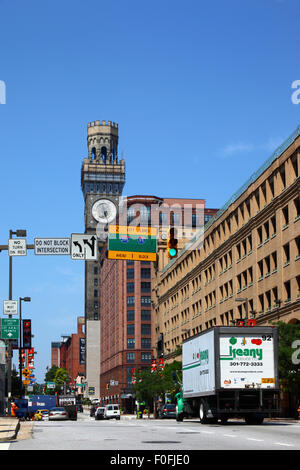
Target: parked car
{"x":168,"y":411}
{"x":99,"y":413}
{"x":112,"y":411}
{"x":57,"y":414}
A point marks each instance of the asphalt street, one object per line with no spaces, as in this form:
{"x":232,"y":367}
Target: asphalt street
{"x":150,"y":434}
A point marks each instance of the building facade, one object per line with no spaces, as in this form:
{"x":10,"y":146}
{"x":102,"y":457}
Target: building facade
{"x":69,"y":353}
{"x":246,"y":260}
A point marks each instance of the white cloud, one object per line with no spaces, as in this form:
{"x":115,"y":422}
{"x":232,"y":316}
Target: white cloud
{"x":239,"y":148}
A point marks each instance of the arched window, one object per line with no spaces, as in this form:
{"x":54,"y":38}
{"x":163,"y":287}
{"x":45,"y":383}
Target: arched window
{"x":104,"y":154}
{"x":93,"y":154}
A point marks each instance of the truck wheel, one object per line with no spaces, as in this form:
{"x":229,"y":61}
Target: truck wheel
{"x":202,"y":413}
{"x":254,"y":419}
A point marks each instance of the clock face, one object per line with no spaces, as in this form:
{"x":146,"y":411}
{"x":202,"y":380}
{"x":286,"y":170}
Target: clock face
{"x":104,"y":211}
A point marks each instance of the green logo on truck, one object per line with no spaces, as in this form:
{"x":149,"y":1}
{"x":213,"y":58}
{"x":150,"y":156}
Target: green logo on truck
{"x":256,"y":353}
{"x":201,"y":356}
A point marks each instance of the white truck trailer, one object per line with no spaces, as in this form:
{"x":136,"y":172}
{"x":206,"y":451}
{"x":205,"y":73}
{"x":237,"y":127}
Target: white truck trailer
{"x":230,"y":372}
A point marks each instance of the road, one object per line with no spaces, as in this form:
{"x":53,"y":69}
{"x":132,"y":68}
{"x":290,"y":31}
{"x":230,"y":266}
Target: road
{"x":168,"y":435}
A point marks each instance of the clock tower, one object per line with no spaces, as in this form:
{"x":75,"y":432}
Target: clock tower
{"x":102,"y":182}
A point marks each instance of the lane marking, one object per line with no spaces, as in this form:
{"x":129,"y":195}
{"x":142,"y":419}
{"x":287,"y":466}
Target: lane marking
{"x":4,"y":445}
{"x":256,"y":440}
{"x":283,"y":444}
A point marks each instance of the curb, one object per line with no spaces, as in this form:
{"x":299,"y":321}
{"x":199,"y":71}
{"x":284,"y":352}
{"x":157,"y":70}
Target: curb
{"x":10,"y":434}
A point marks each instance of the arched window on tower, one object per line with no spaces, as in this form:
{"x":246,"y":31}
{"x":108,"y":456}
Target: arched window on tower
{"x":93,"y":154}
{"x":104,"y":154}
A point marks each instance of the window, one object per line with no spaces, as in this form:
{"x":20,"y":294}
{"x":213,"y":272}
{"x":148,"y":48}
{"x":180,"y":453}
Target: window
{"x":146,"y":315}
{"x":95,"y":270}
{"x":96,"y":282}
{"x":146,"y":273}
{"x":146,"y":286}
{"x":130,"y":300}
{"x":96,"y":305}
{"x":130,"y":287}
{"x":130,"y":329}
{"x":286,"y":254}
{"x":145,"y":300}
{"x":95,"y":292}
{"x":285,"y":214}
{"x":146,"y":343}
{"x":130,"y":273}
{"x":130,"y":343}
{"x":297,"y":206}
{"x":146,"y":329}
{"x":130,"y":357}
{"x":146,"y":357}
{"x":130,"y":315}
{"x":287,"y":290}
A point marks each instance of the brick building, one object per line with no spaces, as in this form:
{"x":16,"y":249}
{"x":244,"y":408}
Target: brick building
{"x":69,"y":353}
{"x":125,"y":297}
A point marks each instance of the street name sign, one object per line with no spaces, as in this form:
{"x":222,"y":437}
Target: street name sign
{"x":9,"y":328}
{"x":52,"y":246}
{"x":84,"y":247}
{"x":10,"y":307}
{"x":17,"y":247}
{"x":131,"y":242}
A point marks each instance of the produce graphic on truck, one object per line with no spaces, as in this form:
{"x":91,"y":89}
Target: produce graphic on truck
{"x":230,"y":372}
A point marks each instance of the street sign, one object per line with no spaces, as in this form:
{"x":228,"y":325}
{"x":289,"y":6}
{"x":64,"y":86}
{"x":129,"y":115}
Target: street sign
{"x":50,"y":384}
{"x":52,"y":246}
{"x":135,"y":243}
{"x":84,"y":247}
{"x":9,"y":328}
{"x":10,"y":307}
{"x":26,"y":372}
{"x":17,"y":247}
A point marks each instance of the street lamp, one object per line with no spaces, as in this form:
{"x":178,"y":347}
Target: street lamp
{"x":18,"y":233}
{"x":25,"y":299}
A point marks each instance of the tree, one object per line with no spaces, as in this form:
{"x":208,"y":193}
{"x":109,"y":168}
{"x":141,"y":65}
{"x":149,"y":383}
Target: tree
{"x":150,"y":385}
{"x":288,"y":359}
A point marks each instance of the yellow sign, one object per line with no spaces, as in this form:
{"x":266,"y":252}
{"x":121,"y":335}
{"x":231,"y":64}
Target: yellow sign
{"x":26,"y":382}
{"x":26,"y":372}
{"x":133,"y":230}
{"x":268,"y":381}
{"x":131,"y":255}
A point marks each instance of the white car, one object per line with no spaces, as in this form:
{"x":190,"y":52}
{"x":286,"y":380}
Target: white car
{"x":112,"y":411}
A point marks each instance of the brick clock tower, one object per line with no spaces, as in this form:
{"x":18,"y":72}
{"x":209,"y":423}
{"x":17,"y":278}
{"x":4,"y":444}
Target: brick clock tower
{"x":102,"y":182}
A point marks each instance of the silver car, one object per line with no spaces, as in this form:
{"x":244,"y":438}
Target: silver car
{"x":57,"y":414}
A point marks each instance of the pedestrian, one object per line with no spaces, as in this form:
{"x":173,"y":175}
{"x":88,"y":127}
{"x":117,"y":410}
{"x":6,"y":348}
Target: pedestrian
{"x":13,"y":409}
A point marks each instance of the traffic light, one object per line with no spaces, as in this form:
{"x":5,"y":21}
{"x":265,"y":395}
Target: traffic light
{"x":172,"y":242}
{"x":26,"y":334}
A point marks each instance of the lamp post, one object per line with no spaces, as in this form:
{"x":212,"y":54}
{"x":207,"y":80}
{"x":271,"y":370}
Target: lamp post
{"x":25,"y":299}
{"x":18,"y":233}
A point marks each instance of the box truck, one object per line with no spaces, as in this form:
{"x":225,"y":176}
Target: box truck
{"x":230,"y":372}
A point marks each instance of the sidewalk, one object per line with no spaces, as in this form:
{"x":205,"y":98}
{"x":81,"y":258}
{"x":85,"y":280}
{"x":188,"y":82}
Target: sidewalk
{"x":9,"y":428}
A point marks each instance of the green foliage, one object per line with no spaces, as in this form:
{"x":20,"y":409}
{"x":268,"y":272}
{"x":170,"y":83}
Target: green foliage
{"x":149,"y":384}
{"x":288,"y":369}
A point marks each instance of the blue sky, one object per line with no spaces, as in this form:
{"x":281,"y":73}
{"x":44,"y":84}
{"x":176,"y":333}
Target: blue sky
{"x":201,"y":92}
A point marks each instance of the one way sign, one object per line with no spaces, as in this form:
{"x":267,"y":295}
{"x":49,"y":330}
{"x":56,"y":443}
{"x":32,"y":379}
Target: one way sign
{"x":84,"y":247}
